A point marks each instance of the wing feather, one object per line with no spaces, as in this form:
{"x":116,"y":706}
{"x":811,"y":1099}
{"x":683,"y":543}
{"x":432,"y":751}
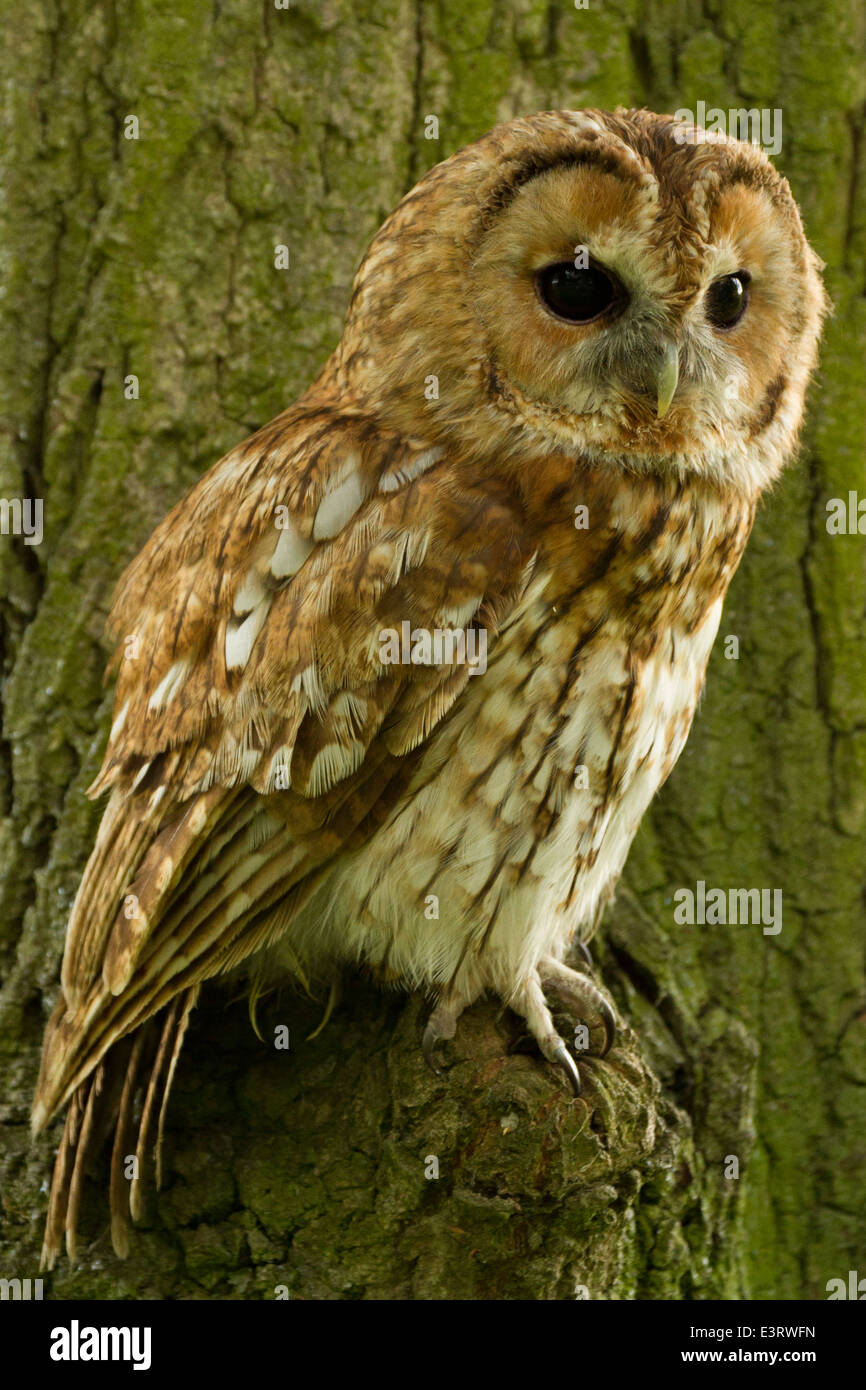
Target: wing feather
{"x":258,"y":729}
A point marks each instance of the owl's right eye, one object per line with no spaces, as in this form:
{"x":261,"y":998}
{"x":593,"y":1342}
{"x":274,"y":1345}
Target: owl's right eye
{"x":727,"y":299}
{"x":578,"y":295}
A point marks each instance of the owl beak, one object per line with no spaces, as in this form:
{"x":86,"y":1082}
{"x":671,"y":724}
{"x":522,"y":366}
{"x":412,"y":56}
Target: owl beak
{"x":668,"y":376}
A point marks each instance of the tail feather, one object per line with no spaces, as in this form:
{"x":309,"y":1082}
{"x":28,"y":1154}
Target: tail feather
{"x":165,"y":1041}
{"x":73,"y":1199}
{"x":58,"y":1200}
{"x":143,"y":1063}
{"x":187,"y":1005}
{"x":117,"y":1192}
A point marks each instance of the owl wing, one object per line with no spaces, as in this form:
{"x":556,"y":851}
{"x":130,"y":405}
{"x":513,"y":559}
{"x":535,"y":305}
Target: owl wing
{"x":257,"y":729}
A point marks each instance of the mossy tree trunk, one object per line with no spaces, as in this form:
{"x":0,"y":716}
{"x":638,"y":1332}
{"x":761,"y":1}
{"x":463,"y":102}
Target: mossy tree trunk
{"x":153,"y":257}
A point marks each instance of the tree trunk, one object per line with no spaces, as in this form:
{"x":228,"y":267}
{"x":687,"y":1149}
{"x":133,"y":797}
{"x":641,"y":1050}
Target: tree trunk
{"x":718,"y":1152}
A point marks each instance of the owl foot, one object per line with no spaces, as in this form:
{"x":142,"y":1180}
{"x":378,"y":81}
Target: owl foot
{"x":574,"y":989}
{"x":530,"y":1003}
{"x":581,"y":993}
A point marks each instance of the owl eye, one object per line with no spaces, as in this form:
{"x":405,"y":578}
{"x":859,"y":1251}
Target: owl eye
{"x":727,"y":299}
{"x":578,"y":295}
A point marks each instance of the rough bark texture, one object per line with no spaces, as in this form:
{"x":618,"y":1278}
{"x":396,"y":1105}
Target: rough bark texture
{"x":155,"y":257}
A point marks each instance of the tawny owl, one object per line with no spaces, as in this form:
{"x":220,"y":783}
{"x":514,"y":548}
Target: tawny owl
{"x":399,"y":676}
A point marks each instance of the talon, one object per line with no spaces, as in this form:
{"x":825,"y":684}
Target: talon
{"x":582,"y":994}
{"x":562,"y":1055}
{"x":529,"y":1001}
{"x":609,"y":1020}
{"x":586,"y":953}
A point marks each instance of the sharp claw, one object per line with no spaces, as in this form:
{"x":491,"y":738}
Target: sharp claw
{"x":585,"y":952}
{"x":585,"y":997}
{"x":561,"y":1054}
{"x":609,"y":1021}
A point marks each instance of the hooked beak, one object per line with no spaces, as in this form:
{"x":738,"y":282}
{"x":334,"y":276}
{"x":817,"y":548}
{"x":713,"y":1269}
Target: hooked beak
{"x":668,"y":376}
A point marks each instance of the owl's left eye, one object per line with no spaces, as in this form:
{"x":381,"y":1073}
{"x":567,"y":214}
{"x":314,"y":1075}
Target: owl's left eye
{"x":574,"y":293}
{"x":727,"y":299}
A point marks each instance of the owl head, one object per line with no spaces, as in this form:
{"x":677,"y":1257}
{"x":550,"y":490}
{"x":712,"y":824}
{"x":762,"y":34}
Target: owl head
{"x":617,"y":285}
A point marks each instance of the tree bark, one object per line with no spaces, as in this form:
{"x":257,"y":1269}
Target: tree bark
{"x":312,"y":1169}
